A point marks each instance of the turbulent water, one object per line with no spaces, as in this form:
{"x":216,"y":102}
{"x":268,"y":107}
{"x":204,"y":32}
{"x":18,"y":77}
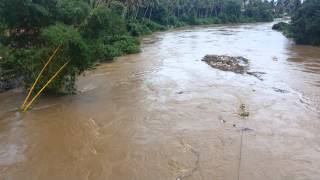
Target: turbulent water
{"x":165,"y":114}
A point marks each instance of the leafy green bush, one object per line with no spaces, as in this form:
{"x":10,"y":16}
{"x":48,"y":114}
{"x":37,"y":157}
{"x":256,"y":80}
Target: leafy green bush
{"x":176,"y":22}
{"x":136,"y":28}
{"x":259,"y":11}
{"x":160,"y":15}
{"x":24,"y":19}
{"x":191,"y":20}
{"x":102,"y":22}
{"x":27,"y":62}
{"x":306,"y":23}
{"x":38,"y":13}
{"x":73,"y":45}
{"x":72,"y":11}
{"x":73,"y":49}
{"x":280,"y":26}
{"x":232,"y":12}
{"x":207,"y":21}
{"x":153,"y":26}
{"x":118,"y":8}
{"x":108,"y":47}
{"x":283,"y":27}
{"x":126,"y":44}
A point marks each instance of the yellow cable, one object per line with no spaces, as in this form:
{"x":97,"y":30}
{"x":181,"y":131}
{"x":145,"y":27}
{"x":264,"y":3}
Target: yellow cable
{"x":43,"y":88}
{"x":41,"y":72}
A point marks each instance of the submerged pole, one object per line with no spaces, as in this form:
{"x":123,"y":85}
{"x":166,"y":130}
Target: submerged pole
{"x":39,"y":75}
{"x":44,"y":87}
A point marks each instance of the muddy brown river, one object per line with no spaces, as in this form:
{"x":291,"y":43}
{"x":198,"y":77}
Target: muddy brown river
{"x":164,"y":114}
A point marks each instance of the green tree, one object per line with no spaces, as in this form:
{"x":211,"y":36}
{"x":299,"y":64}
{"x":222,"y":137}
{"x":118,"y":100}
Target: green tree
{"x":102,"y":21}
{"x":259,"y":11}
{"x":25,"y":18}
{"x":72,"y":12}
{"x":306,"y":23}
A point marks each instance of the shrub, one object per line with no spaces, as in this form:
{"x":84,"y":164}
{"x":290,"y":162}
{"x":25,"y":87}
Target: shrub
{"x":136,"y":28}
{"x":24,"y":19}
{"x":283,"y":27}
{"x":259,"y":11}
{"x":108,"y":47}
{"x":160,"y":15}
{"x":280,"y":26}
{"x":127,"y":44}
{"x":118,"y":8}
{"x":27,"y":62}
{"x":103,"y":22}
{"x":191,"y":20}
{"x":306,"y":23}
{"x":72,"y":11}
{"x":73,"y":49}
{"x":153,"y":26}
{"x":176,"y":22}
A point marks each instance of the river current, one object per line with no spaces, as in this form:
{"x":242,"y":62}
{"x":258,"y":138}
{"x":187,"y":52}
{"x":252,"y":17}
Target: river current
{"x":164,"y":114}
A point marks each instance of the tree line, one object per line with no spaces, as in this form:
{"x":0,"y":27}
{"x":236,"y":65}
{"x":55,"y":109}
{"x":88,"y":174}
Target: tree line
{"x":85,"y":32}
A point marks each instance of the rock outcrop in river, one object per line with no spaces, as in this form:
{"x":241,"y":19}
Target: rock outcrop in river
{"x":238,"y":65}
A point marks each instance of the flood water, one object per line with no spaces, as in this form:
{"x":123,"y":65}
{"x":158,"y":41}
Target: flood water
{"x":165,"y":114}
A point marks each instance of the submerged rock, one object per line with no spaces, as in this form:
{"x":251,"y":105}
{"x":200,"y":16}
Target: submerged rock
{"x":238,"y":65}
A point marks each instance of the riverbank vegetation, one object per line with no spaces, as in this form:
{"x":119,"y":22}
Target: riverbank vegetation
{"x":84,"y":32}
{"x":286,"y":7}
{"x":304,"y":27}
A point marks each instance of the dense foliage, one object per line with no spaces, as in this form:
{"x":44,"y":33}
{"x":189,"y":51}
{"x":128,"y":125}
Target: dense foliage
{"x":304,"y":27}
{"x":88,"y":31}
{"x":286,"y":7}
{"x":283,"y":27}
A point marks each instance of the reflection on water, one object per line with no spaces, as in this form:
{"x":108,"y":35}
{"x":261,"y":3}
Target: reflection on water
{"x":164,"y":114}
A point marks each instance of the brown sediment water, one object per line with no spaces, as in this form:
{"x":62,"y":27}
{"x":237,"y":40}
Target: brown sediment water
{"x":164,"y":114}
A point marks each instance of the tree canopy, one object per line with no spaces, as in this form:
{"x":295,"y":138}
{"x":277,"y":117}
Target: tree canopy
{"x":305,"y":25}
